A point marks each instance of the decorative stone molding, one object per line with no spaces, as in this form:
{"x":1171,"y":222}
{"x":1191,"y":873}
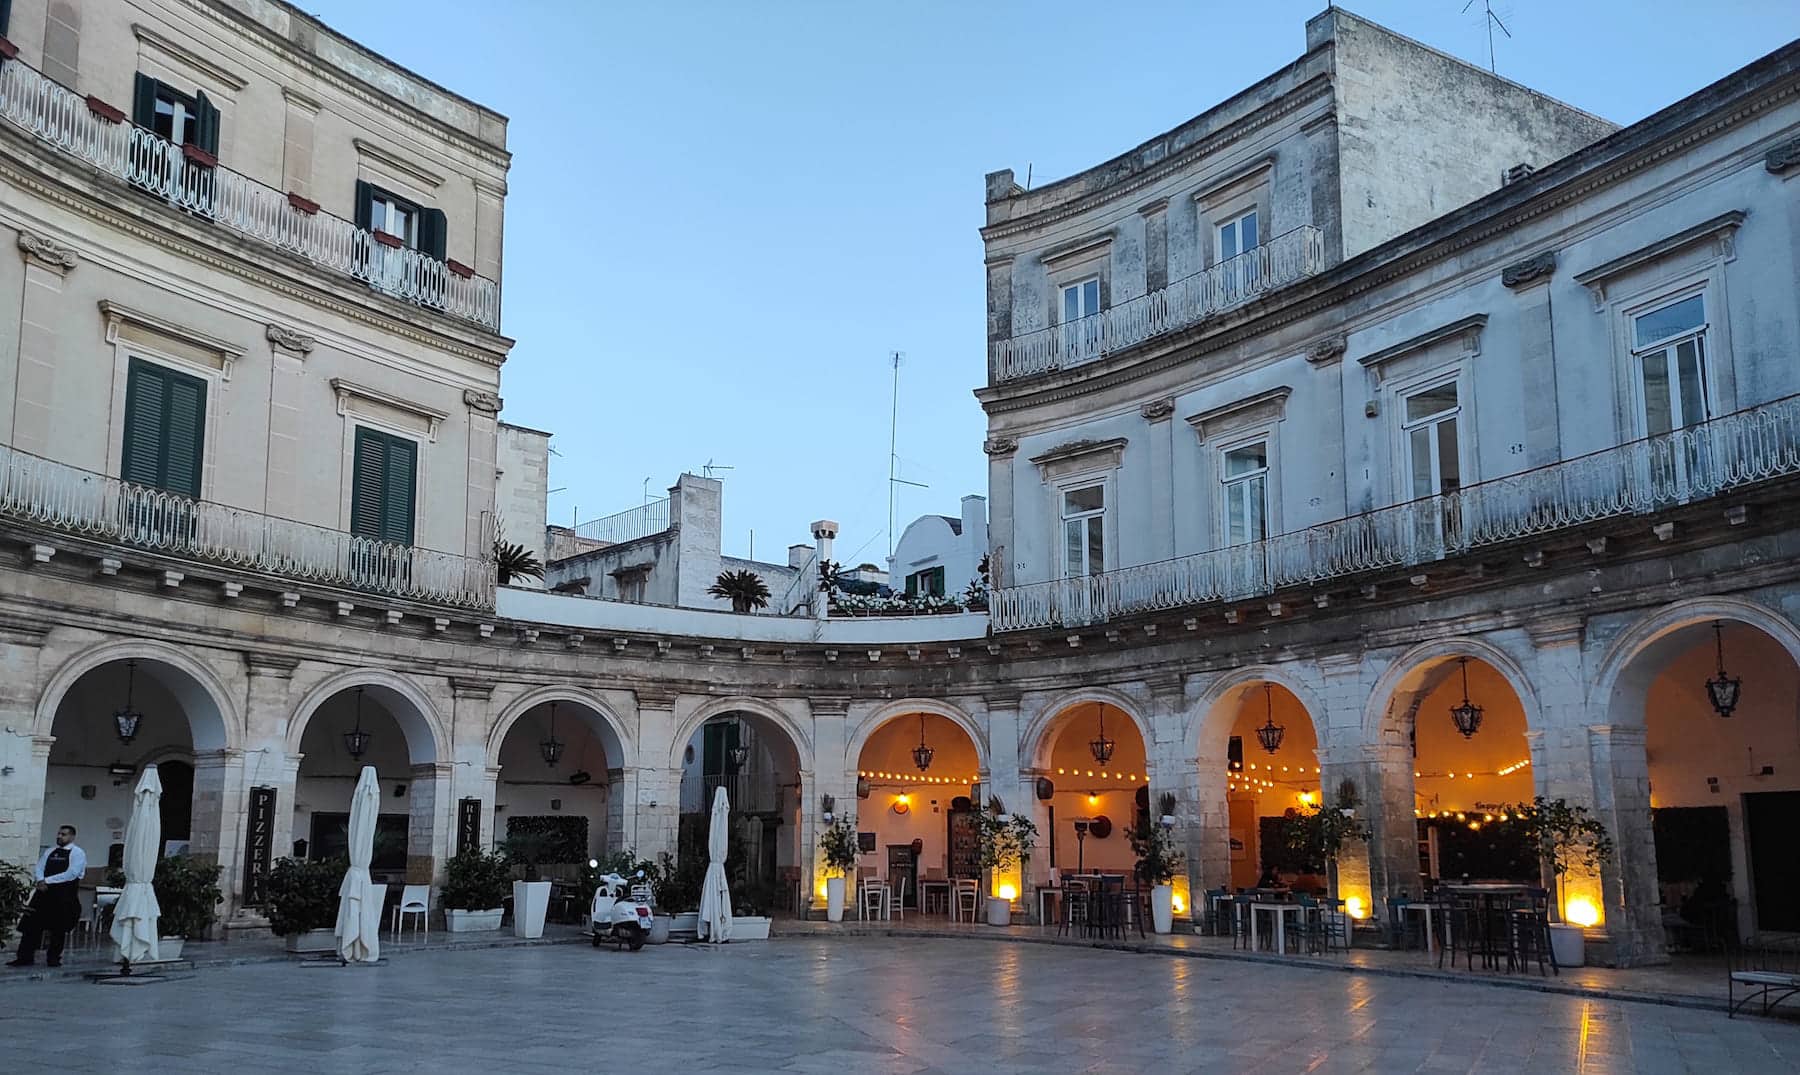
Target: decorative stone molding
{"x":485,"y":402}
{"x":1270,"y":406}
{"x":1000,"y":445}
{"x":1077,"y":252}
{"x":1081,"y":455}
{"x":1466,"y":331}
{"x":829,"y":705}
{"x":1157,"y":410}
{"x":474,"y":689}
{"x":47,"y":252}
{"x":656,"y":697}
{"x":270,"y":664}
{"x":1720,"y":232}
{"x":289,"y":340}
{"x":348,"y":391}
{"x":124,"y":323}
{"x":1532,"y":269}
{"x":1555,"y":631}
{"x":1784,"y":158}
{"x":1327,"y":350}
{"x":404,"y":167}
{"x":151,"y":40}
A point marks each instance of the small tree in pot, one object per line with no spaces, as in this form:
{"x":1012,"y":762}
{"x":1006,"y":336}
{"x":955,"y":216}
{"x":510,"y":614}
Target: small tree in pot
{"x":1158,"y":861}
{"x":187,"y":890}
{"x":1005,"y":842}
{"x":745,"y":589}
{"x":476,"y":884}
{"x":300,"y":896}
{"x":1320,"y":832}
{"x":838,"y":847}
{"x":1565,"y":837}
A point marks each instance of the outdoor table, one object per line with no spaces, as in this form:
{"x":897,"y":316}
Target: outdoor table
{"x":930,"y":883}
{"x":1046,"y":890}
{"x":1281,"y":910}
{"x":1487,"y":894}
{"x":1430,"y":935}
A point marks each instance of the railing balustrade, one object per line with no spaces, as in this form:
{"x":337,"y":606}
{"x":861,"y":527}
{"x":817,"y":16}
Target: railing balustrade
{"x":165,"y":170}
{"x":651,"y":517}
{"x":61,"y":497}
{"x":1281,"y":261}
{"x":1640,"y":477}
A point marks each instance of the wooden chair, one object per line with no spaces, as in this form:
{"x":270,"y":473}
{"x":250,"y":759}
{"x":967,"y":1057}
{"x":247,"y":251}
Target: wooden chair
{"x":966,"y":898}
{"x":873,"y":898}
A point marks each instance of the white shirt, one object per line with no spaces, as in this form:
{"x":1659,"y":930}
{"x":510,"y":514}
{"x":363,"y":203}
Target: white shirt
{"x":77,"y":866}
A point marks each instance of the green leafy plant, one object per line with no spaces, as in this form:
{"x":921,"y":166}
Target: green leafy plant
{"x":535,"y":840}
{"x":15,"y":890}
{"x":1158,"y":861}
{"x":1565,"y":837}
{"x":301,"y":895}
{"x":745,"y":589}
{"x":187,"y":890}
{"x":512,"y":560}
{"x":1317,"y":834}
{"x":1003,"y":840}
{"x":477,"y":880}
{"x":679,"y":882}
{"x":839,"y":847}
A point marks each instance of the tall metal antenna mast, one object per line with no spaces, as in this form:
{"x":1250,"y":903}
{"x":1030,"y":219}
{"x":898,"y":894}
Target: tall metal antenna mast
{"x":1492,"y":20}
{"x":894,"y":477}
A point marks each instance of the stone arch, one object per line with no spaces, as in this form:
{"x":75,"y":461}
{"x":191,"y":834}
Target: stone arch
{"x":907,"y":707}
{"x":621,"y":748}
{"x":409,"y":706}
{"x":797,"y":736}
{"x":213,"y":720}
{"x":1377,"y":715}
{"x":1039,"y":733}
{"x":1212,"y":718}
{"x":1623,"y":674}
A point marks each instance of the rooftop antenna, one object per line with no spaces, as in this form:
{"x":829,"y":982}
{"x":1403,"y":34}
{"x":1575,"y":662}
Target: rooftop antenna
{"x":706,"y":470}
{"x":894,"y":478}
{"x":1027,"y":175}
{"x":1491,"y":20}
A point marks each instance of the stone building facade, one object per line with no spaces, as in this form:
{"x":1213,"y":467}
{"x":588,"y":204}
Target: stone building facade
{"x":1593,"y":530}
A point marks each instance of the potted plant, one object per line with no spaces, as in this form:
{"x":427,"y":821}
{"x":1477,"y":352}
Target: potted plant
{"x":531,"y":894}
{"x":1566,"y":836}
{"x":186,"y":893}
{"x":15,"y":891}
{"x":838,"y":846}
{"x":514,"y":561}
{"x":745,"y":589}
{"x":1158,"y":862}
{"x":678,"y":885}
{"x":1318,"y":833}
{"x":476,"y":884}
{"x":1005,"y":841}
{"x":300,"y":897}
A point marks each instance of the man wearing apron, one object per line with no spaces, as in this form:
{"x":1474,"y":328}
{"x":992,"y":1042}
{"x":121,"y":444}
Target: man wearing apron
{"x":56,"y":902}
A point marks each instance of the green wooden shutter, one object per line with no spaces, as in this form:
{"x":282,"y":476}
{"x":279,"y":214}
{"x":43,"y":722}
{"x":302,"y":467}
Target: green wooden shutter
{"x":5,"y":16}
{"x":165,"y":428}
{"x":206,"y":124}
{"x":432,"y":232}
{"x":143,"y":101}
{"x":383,"y":490}
{"x":365,"y":204}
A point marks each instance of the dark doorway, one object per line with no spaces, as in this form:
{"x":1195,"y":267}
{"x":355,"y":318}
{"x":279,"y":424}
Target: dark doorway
{"x":1770,"y":820}
{"x":177,"y":800}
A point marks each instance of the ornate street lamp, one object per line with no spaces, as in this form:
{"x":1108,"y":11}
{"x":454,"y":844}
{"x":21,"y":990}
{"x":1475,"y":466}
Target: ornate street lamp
{"x":552,"y":748}
{"x":356,"y":741}
{"x":1722,"y":689}
{"x":1101,"y":746}
{"x":1467,"y":715}
{"x":922,"y":753}
{"x":1270,"y":734}
{"x":126,"y":721}
{"x":738,"y":756}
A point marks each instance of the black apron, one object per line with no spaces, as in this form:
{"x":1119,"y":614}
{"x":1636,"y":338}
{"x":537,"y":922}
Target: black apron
{"x":58,"y":907}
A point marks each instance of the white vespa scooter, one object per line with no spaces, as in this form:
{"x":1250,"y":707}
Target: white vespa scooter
{"x":621,"y":911}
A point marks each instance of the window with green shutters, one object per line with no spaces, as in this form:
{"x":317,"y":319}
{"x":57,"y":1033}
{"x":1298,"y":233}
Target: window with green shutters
{"x":383,"y":490}
{"x":165,"y":428}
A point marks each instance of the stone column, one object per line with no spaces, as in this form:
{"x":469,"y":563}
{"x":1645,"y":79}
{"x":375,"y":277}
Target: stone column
{"x":220,"y":814}
{"x":999,"y":304}
{"x":1001,"y":508}
{"x":24,"y":756}
{"x":28,"y":399}
{"x":1173,"y":768}
{"x":1627,"y":891}
{"x":431,"y":834}
{"x":653,"y":806}
{"x":1013,"y":778}
{"x":1156,"y":244}
{"x":831,"y":773}
{"x":490,"y":202}
{"x":1162,"y":476}
{"x":621,"y":799}
{"x":1388,"y":864}
{"x":484,"y":409}
{"x":471,"y":720}
{"x":1530,"y":282}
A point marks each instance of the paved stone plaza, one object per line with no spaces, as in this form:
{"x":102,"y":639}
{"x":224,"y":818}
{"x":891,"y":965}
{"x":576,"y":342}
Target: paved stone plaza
{"x":855,"y":1005}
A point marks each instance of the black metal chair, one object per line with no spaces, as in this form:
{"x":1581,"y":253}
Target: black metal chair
{"x":1529,"y":933}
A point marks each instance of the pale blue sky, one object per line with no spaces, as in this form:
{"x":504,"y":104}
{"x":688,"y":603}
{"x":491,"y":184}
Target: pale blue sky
{"x":724,"y":215}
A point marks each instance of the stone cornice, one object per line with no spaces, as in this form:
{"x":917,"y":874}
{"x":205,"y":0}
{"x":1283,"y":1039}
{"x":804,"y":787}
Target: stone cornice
{"x":290,"y":339}
{"x":1465,"y":330}
{"x":347,"y":390}
{"x":1721,"y":231}
{"x":47,"y":252}
{"x":1269,"y":406}
{"x":1784,"y":157}
{"x":206,"y":65}
{"x":382,"y":155}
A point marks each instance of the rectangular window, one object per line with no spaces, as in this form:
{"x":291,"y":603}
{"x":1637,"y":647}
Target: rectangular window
{"x":1081,"y":300}
{"x":1247,"y":493}
{"x":1669,"y":353}
{"x":1237,"y":235}
{"x":184,"y":119}
{"x":926,"y":583}
{"x":165,"y":428}
{"x":417,"y":227}
{"x":1430,"y":427}
{"x":1084,"y":531}
{"x":383,"y":493}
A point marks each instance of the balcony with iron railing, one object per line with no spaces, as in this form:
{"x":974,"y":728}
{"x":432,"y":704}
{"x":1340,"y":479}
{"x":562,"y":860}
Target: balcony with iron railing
{"x":651,"y":517}
{"x":1637,"y":478}
{"x":1288,"y":257}
{"x":57,"y":498}
{"x":181,"y":177}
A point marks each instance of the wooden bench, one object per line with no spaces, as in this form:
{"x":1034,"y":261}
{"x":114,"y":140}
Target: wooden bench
{"x":1765,"y":970}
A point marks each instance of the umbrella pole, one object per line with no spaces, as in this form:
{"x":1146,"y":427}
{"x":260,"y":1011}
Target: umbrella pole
{"x":124,"y":968}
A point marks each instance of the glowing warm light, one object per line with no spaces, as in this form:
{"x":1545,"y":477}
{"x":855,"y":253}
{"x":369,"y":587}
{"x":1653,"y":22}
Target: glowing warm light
{"x":1468,"y":776}
{"x":903,"y":798}
{"x":1059,"y":772}
{"x":1474,"y":826}
{"x":1306,"y":797}
{"x":1090,"y":772}
{"x":1093,"y":800}
{"x":1008,"y":893}
{"x":1355,"y":907}
{"x":1177,"y":904}
{"x":1582,"y":912}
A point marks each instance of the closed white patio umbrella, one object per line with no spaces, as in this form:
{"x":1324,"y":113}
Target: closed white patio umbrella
{"x":715,"y":894}
{"x":135,"y":915}
{"x":359,"y":925}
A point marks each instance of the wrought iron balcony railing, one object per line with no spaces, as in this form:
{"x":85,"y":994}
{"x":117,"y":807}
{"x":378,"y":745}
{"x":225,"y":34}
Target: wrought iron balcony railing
{"x":1284,"y":259}
{"x":648,"y":518}
{"x":65,"y":498}
{"x":170,"y":172}
{"x":1636,"y":478}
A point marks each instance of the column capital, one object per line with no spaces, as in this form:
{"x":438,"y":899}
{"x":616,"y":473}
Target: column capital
{"x":1616,"y":733}
{"x":429,"y":770}
{"x":1550,"y":631}
{"x":828,"y":705}
{"x":23,"y":634}
{"x":1003,"y":698}
{"x":473,"y":689}
{"x":1339,"y":664}
{"x":656,"y":697}
{"x":273,"y":665}
{"x":47,"y":253}
{"x":1165,"y":684}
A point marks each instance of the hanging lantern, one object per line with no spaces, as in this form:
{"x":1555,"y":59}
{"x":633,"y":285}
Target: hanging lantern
{"x":1722,"y":689}
{"x":356,"y":741}
{"x":738,"y":756}
{"x":1270,"y":734}
{"x":1101,"y":746}
{"x":1467,"y":715}
{"x":552,"y":748}
{"x":126,"y":721}
{"x":922,"y":753}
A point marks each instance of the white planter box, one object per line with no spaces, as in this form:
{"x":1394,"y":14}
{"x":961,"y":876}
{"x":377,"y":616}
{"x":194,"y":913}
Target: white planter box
{"x":684,"y":926}
{"x":313,"y":940}
{"x":1162,"y":908}
{"x":999,"y":911}
{"x":531,"y":899}
{"x":168,"y":949}
{"x":458,"y":921}
{"x":753,"y":928}
{"x":1568,"y":944}
{"x":834,"y":899}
